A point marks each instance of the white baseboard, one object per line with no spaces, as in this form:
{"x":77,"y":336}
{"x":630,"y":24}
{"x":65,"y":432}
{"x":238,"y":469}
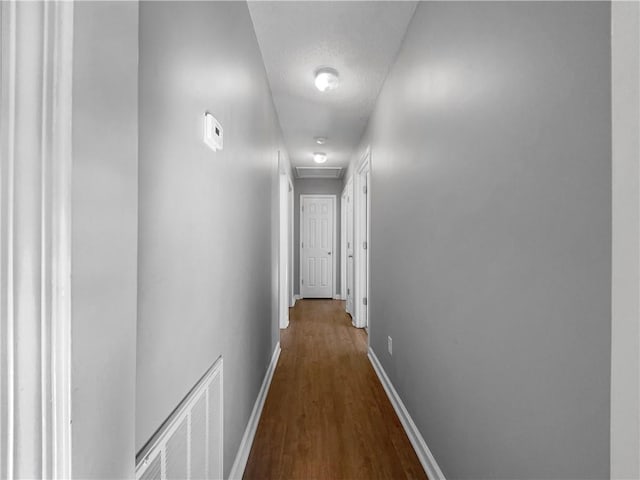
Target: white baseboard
{"x":338,"y":297}
{"x":296,"y":298}
{"x":242,"y":456}
{"x":425,"y":456}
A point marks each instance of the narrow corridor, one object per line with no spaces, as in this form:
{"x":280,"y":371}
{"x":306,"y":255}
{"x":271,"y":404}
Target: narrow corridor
{"x":327,"y":415}
{"x":463,"y":175}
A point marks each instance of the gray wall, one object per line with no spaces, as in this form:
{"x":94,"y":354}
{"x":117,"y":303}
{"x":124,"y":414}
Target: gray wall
{"x":104,"y":238}
{"x":207,"y":250}
{"x":320,"y":186}
{"x":491,"y":235}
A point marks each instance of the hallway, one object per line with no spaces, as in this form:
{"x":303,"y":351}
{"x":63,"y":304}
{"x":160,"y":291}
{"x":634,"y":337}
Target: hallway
{"x":463,"y":176}
{"x":326,"y":414}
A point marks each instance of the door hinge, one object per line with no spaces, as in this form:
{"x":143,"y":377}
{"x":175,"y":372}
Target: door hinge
{"x":364,"y":245}
{"x":348,"y":244}
{"x":348,"y":291}
{"x":364,"y":301}
{"x":364,"y":189}
{"x":303,"y":208}
{"x":302,"y":244}
{"x":302,"y":281}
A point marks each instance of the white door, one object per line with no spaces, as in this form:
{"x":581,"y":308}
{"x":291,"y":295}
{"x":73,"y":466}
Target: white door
{"x":316,"y":246}
{"x":349,"y":256}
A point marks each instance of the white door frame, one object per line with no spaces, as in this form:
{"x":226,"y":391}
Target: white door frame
{"x":349,"y":214}
{"x":333,"y":240}
{"x":35,"y":239}
{"x":343,"y":245}
{"x":291,"y":197}
{"x":362,"y":221}
{"x":285,"y":280}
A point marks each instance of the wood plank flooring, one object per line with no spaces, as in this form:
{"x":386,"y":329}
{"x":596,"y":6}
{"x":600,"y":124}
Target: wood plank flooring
{"x":326,"y":415}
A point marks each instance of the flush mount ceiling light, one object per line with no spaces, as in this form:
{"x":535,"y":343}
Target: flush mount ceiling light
{"x":320,"y":140}
{"x":319,"y":157}
{"x":326,"y":79}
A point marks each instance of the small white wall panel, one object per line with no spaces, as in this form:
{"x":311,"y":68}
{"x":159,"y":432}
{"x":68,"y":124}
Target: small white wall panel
{"x":199,"y":439}
{"x":215,"y":432}
{"x":177,"y":461}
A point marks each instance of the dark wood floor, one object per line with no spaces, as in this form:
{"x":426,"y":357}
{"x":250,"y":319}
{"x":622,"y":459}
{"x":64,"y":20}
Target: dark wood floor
{"x":326,"y":415}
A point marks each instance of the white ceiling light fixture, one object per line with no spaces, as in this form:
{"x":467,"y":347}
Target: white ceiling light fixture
{"x":320,"y":140}
{"x":319,"y":157}
{"x":326,"y":79}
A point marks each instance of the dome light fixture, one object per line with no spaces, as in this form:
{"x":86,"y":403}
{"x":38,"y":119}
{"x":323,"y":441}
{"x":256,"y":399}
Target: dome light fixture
{"x":326,"y":79}
{"x":320,"y":140}
{"x":319,"y":157}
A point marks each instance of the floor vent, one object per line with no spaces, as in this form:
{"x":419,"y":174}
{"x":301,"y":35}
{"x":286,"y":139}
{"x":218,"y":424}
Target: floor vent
{"x":318,"y":172}
{"x":189,"y":443}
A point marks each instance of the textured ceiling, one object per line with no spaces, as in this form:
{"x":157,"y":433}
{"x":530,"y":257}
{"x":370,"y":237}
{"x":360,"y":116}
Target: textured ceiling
{"x":359,"y":39}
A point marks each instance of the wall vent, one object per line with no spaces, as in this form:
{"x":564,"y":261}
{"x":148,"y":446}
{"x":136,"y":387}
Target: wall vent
{"x":188,"y":445}
{"x":318,"y":172}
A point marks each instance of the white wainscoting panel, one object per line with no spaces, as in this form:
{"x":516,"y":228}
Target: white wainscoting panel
{"x":189,"y":443}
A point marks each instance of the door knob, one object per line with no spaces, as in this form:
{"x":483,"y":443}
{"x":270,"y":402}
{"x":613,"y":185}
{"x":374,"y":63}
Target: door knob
{"x":329,"y":253}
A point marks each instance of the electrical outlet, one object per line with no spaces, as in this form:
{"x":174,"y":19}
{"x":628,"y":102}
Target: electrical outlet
{"x":390,"y":345}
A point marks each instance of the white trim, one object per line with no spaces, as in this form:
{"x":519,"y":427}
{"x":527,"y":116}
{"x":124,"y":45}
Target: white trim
{"x":61,"y":144}
{"x":7,"y":161}
{"x":425,"y":456}
{"x":349,"y":214}
{"x":292,"y":243}
{"x":625,"y":241}
{"x":283,"y":248}
{"x":240,"y":463}
{"x":333,"y":247}
{"x":338,"y":297}
{"x":296,"y":297}
{"x":343,"y":245}
{"x":361,"y":267}
{"x":35,"y":149}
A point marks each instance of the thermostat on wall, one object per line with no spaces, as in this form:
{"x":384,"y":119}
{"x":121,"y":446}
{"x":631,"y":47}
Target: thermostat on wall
{"x":212,"y":132}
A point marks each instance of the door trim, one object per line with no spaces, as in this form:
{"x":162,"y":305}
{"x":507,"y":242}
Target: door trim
{"x":285,"y":281}
{"x":333,"y":240}
{"x":343,"y":246}
{"x":349,"y":210}
{"x":291,"y":226}
{"x":35,"y":239}
{"x":360,"y":274}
